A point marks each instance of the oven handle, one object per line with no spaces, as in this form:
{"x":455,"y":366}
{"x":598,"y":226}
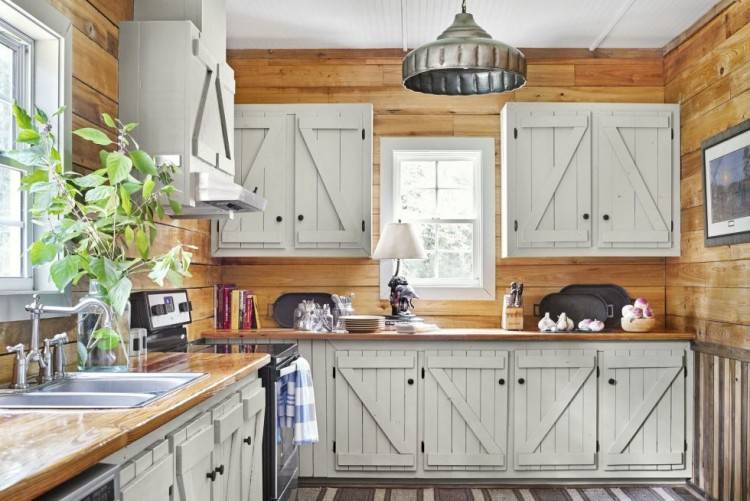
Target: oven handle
{"x":286,"y":369}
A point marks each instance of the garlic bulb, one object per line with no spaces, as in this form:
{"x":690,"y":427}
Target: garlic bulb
{"x":546,"y":324}
{"x":637,"y":313}
{"x":564,"y":323}
{"x":596,"y":326}
{"x":648,"y":312}
{"x":584,"y":325}
{"x":627,"y":310}
{"x":640,"y":303}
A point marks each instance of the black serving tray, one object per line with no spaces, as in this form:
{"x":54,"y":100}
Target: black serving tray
{"x":576,"y":306}
{"x":615,"y":296}
{"x":285,"y":304}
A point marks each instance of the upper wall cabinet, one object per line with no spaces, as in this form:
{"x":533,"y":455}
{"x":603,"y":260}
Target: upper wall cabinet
{"x":590,"y":179}
{"x":313,"y":163}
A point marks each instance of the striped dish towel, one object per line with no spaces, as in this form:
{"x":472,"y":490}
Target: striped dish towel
{"x":296,"y":405}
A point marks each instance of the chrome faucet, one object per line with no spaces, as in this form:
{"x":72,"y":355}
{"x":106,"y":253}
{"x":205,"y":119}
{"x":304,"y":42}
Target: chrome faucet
{"x":44,"y":359}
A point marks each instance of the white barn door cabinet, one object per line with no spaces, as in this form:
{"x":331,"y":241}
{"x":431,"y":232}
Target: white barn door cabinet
{"x":582,"y":179}
{"x":313,"y":163}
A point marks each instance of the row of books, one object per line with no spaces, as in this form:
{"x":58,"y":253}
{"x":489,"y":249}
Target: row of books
{"x":235,"y":308}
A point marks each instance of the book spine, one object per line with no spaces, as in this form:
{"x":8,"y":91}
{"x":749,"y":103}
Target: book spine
{"x":219,"y":307}
{"x":235,"y":313}
{"x":248,"y":312}
{"x":257,"y":313}
{"x":225,"y":308}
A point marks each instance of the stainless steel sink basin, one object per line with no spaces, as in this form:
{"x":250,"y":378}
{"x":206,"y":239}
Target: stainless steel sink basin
{"x":120,"y":383}
{"x":99,"y":391}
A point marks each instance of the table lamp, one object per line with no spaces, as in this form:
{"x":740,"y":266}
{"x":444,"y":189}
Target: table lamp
{"x":400,"y":241}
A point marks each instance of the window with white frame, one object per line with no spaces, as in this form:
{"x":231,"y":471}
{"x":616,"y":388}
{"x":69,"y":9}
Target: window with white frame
{"x":444,"y":186}
{"x":15,"y":79}
{"x":35,"y":71}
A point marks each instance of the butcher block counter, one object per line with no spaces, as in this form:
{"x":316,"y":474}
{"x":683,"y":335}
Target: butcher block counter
{"x":43,"y":448}
{"x":454,"y":335}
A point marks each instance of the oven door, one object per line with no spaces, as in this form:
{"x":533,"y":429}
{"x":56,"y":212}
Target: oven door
{"x":282,"y":451}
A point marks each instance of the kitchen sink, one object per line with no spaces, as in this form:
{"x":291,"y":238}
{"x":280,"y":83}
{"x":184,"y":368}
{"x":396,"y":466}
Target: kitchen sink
{"x":99,"y":391}
{"x":119,"y":383}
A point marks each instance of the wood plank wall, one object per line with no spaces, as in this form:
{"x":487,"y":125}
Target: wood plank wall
{"x":95,"y":90}
{"x":373,"y":76}
{"x":708,"y":288}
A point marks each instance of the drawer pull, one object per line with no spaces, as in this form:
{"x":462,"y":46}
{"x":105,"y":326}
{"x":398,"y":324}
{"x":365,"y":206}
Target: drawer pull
{"x":521,"y":380}
{"x":211,"y":475}
{"x":410,"y":381}
{"x":612,"y":381}
{"x":605,"y":217}
{"x":300,"y":218}
{"x":248,"y":440}
{"x":586,"y":215}
{"x":501,"y":381}
{"x":219,"y":469}
{"x":279,"y":219}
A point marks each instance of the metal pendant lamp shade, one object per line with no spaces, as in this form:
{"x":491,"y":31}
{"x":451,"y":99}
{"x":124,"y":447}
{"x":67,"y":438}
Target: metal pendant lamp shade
{"x":464,"y":61}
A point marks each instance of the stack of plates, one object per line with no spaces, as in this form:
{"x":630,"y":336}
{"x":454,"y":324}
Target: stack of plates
{"x":364,"y":323}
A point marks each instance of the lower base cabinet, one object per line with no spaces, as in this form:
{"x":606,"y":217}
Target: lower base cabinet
{"x":465,"y":410}
{"x":556,"y":405}
{"x":215,"y":456}
{"x":501,"y":410}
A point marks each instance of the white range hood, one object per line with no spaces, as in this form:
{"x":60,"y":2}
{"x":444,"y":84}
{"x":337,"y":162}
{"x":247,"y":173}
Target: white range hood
{"x":217,"y":196}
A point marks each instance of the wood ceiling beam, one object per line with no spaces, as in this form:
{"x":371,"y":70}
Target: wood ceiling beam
{"x":624,"y":8}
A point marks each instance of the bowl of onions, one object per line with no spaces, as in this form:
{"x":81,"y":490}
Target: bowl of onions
{"x":638,"y":317}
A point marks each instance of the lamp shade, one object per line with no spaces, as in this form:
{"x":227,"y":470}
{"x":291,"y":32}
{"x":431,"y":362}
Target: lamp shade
{"x":399,"y":241}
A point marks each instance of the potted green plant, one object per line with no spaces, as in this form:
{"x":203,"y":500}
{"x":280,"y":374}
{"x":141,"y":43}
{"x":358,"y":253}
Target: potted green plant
{"x":99,"y":225}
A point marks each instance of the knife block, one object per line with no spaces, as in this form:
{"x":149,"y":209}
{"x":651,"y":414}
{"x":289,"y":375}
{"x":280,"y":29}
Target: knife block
{"x":512,"y":316}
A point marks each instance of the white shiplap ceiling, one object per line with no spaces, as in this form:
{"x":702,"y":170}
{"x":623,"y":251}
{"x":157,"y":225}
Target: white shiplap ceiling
{"x":359,"y":24}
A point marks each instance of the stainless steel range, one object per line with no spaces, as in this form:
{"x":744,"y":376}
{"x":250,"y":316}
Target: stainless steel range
{"x":164,"y":315}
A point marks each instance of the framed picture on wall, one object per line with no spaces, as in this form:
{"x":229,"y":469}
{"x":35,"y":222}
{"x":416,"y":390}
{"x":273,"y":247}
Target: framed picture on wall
{"x":726,"y":186}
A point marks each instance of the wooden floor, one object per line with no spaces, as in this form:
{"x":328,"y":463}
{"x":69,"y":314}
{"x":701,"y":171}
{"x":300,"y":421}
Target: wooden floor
{"x":478,"y":493}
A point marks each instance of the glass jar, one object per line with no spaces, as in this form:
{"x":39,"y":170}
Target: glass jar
{"x":105,"y":354}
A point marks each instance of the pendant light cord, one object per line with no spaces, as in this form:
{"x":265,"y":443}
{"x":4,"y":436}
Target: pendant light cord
{"x":463,"y":6}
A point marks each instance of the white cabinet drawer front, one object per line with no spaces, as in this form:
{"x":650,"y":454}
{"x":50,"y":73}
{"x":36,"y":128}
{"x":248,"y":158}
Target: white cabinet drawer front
{"x":550,"y":179}
{"x":555,"y":409}
{"x":228,"y":423}
{"x":635,"y":179}
{"x":643,"y":410}
{"x":465,"y":410}
{"x":194,"y":450}
{"x":376,"y":410}
{"x":254,"y":406}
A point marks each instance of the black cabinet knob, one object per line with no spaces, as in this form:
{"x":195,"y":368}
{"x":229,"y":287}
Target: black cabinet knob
{"x":586,"y":215}
{"x":219,"y":469}
{"x":521,"y":380}
{"x":211,"y":475}
{"x":612,"y":381}
{"x":605,"y":217}
{"x":410,"y":381}
{"x":279,"y":219}
{"x":300,"y":217}
{"x":501,"y":381}
{"x":248,"y":440}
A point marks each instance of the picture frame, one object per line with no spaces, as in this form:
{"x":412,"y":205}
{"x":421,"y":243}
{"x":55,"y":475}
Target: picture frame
{"x":726,"y":186}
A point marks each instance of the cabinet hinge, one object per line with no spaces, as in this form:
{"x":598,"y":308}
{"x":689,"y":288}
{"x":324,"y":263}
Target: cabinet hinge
{"x":685,"y":445}
{"x":334,"y":373}
{"x":515,"y":225}
{"x":422,"y":372}
{"x":363,"y":134}
{"x":672,"y":131}
{"x":422,"y":446}
{"x":673,"y":226}
{"x":597,"y":446}
{"x":597,"y":371}
{"x":363,"y":225}
{"x":334,"y":446}
{"x":515,"y":133}
{"x":171,"y":491}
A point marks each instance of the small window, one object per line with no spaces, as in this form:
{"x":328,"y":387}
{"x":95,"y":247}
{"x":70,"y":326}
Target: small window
{"x":15,"y":80}
{"x":446,"y":188}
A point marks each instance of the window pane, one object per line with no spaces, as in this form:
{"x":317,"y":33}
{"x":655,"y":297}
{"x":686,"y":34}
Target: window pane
{"x":419,"y":268}
{"x":456,"y":237}
{"x":455,"y":265}
{"x":10,"y":251}
{"x":455,"y":203}
{"x":10,"y":194}
{"x":418,"y":203}
{"x":6,"y":73}
{"x":415,"y":173}
{"x":455,"y":174}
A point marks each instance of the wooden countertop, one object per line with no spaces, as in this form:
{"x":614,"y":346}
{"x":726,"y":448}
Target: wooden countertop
{"x":42,"y":448}
{"x":455,"y":335}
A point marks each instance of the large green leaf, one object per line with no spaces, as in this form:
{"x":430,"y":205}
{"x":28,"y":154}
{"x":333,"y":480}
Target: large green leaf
{"x":143,"y":162}
{"x":108,"y":120}
{"x":99,"y":193}
{"x":141,"y":242}
{"x":125,"y":200}
{"x":28,"y":136}
{"x":23,"y":120}
{"x":36,"y":176}
{"x":106,"y":338}
{"x":42,"y":253}
{"x":176,"y":206}
{"x":64,"y":270}
{"x":148,"y":186}
{"x":118,"y":167}
{"x":89,"y":181}
{"x":119,"y":294}
{"x":94,"y":135}
{"x":41,"y":117}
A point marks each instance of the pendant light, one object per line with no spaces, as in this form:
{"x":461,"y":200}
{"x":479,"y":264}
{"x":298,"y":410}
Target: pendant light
{"x":464,"y":61}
